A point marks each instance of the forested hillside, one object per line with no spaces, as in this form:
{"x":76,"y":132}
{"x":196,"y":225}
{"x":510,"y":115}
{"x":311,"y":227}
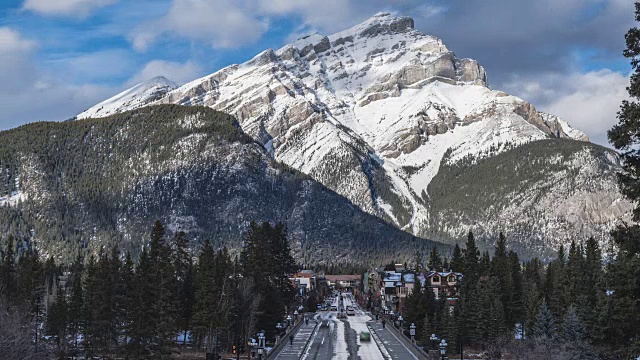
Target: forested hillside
{"x":565,"y":184}
{"x":86,"y":184}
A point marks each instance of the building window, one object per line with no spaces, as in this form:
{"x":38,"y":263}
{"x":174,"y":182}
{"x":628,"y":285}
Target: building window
{"x":436,"y":279}
{"x":452,"y":279}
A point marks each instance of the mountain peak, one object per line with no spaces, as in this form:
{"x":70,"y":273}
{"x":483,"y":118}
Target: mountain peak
{"x":139,"y":95}
{"x":159,"y":80}
{"x":380,"y":23}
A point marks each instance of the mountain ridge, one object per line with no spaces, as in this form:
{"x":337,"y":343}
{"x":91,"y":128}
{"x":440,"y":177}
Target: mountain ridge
{"x":371,"y":112}
{"x":94,"y":183}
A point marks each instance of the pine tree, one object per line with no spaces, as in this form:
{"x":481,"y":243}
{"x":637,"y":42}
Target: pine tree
{"x":427,"y":329}
{"x":516,"y":312}
{"x":76,"y":314}
{"x":8,"y":282}
{"x":185,"y":277}
{"x":625,"y":135}
{"x":573,"y":329}
{"x":143,"y":330}
{"x":124,"y":299}
{"x":57,"y":317}
{"x":418,"y":261}
{"x":266,"y":258}
{"x":624,"y":301}
{"x":485,"y":264}
{"x":471,"y":259}
{"x":165,"y":304}
{"x":416,"y":306}
{"x":435,"y":260}
{"x":457,"y":261}
{"x":545,"y":324}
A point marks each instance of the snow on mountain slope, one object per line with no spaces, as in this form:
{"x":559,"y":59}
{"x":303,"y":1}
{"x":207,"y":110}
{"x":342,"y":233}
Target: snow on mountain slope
{"x":571,"y":132}
{"x":372,"y":111}
{"x":133,"y":98}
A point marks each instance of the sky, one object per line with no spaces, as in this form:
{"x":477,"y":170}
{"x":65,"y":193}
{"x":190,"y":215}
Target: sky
{"x":59,"y":57}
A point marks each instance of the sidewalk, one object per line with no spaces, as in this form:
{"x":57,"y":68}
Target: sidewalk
{"x":300,"y":340}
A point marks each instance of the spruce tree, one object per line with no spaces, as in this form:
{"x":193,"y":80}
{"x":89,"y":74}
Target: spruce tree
{"x":165,"y":303}
{"x":435,"y":260}
{"x":76,"y":318}
{"x":573,"y":329}
{"x":418,"y":261}
{"x":625,"y":135}
{"x":57,"y":317}
{"x":124,"y":299}
{"x":545,"y":324}
{"x":143,"y":330}
{"x":471,"y":259}
{"x":8,"y":283}
{"x":515,"y":313}
{"x":184,"y":274}
{"x":624,"y":293}
{"x":205,"y":294}
{"x":457,"y":261}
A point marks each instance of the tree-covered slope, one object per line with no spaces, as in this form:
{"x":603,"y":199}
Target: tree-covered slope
{"x":541,"y":194}
{"x":93,"y":182}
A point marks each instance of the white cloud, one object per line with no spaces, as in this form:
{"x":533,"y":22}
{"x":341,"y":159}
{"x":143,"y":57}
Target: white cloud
{"x":66,"y":7}
{"x":15,"y":61}
{"x":27,"y":94}
{"x":99,"y":66}
{"x":588,"y":101}
{"x":174,"y":71}
{"x":222,"y":24}
{"x":11,"y":40}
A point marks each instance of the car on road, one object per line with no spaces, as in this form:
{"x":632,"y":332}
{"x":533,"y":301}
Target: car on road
{"x":334,"y":308}
{"x":365,"y":336}
{"x":342,"y":315}
{"x":350,"y":311}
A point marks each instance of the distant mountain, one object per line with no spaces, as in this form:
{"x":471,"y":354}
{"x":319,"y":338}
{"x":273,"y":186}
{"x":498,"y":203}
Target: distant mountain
{"x":91,"y":183}
{"x":380,"y":110}
{"x":138,"y":96}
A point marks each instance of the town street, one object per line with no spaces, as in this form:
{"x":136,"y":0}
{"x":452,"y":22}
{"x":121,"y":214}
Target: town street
{"x":335,"y":338}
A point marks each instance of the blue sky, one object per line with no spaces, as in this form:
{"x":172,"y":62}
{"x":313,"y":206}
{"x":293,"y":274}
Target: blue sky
{"x":58,"y":57}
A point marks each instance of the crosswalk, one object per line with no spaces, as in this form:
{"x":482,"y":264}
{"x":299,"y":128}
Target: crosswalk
{"x":295,"y":350}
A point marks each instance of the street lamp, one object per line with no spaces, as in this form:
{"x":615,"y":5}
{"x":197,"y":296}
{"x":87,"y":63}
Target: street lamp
{"x":412,"y":332}
{"x":443,"y":348}
{"x":433,"y":339}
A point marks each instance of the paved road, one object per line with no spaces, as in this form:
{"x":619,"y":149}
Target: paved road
{"x":395,"y":348}
{"x":321,"y":348}
{"x":300,"y":339}
{"x":339,"y":339}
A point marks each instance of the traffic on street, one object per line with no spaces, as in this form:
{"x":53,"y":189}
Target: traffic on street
{"x":342,"y":330}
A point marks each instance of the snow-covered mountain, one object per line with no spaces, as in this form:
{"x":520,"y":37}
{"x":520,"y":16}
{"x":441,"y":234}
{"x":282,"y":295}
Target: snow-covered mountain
{"x":140,"y":95}
{"x":374,"y":112}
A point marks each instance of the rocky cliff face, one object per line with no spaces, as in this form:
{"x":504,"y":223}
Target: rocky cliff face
{"x":371,"y":112}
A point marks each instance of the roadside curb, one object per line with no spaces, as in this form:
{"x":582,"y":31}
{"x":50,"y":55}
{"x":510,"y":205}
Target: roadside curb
{"x":376,"y":339}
